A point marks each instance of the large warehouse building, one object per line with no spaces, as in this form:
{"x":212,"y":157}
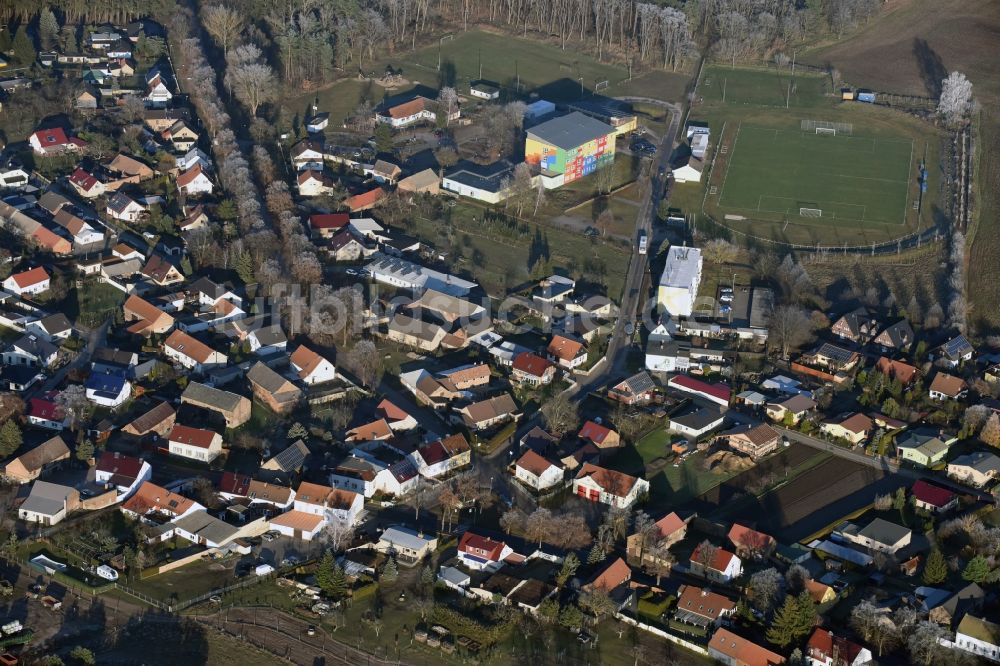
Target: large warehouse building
{"x":569,"y":147}
{"x":679,"y":282}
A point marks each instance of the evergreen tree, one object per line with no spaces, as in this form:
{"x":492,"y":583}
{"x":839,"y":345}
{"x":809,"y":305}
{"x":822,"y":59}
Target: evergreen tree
{"x":991,"y":431}
{"x":390,"y":572}
{"x":48,"y":29}
{"x":339,"y":586}
{"x":297,"y":431}
{"x":24,"y":50}
{"x":244,"y":268}
{"x":427,"y":576}
{"x":596,"y":554}
{"x":899,"y":499}
{"x":793,"y":621}
{"x":977,"y":570}
{"x":85,"y":450}
{"x":324,"y":572}
{"x":383,"y":138}
{"x":569,"y":566}
{"x":10,"y":438}
{"x":936,"y":568}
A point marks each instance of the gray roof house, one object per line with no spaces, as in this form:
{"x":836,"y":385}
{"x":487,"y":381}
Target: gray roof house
{"x":48,"y":503}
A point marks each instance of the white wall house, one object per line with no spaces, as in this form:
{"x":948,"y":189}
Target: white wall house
{"x":679,"y":282}
{"x":194,"y":443}
{"x":311,"y":367}
{"x":536,"y":472}
{"x":28,"y":283}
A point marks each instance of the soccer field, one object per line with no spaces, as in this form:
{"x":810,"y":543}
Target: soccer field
{"x":772,"y":174}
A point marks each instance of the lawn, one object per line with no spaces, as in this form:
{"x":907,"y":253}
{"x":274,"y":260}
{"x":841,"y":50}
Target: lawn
{"x":339,"y":99}
{"x":541,"y":67}
{"x":843,"y":180}
{"x":763,"y":87}
{"x":668,"y":483}
{"x":186,"y":582}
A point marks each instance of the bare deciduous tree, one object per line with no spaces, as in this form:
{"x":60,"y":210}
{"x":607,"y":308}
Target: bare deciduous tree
{"x":956,"y":98}
{"x":223,"y":24}
{"x":790,"y":328}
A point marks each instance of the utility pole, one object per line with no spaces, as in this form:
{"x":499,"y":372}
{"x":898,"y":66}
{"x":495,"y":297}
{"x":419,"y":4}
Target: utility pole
{"x":480,"y":64}
{"x":517,"y":75}
{"x":724,"y":80}
{"x":788,"y":96}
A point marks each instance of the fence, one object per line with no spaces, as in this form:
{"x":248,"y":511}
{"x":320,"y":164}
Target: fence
{"x":686,"y":644}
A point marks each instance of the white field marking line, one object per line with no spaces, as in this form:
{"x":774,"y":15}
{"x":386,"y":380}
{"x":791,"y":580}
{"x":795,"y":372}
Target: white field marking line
{"x":906,"y":192}
{"x":722,"y":191}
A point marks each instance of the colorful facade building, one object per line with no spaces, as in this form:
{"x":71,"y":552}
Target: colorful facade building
{"x":569,"y":147}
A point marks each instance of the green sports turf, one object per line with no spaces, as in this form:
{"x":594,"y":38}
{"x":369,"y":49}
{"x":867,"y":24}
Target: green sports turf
{"x":763,"y":87}
{"x":854,"y":180}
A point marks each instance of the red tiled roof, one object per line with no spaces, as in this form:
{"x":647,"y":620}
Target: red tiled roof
{"x":719,"y":391}
{"x":116,"y":463}
{"x":670,"y":524}
{"x":742,"y":651}
{"x":480,"y":546}
{"x":234,"y":484}
{"x":593,"y":432}
{"x":44,"y":409}
{"x":329,"y":220}
{"x":824,"y":644}
{"x":188,"y":176}
{"x":533,"y":463}
{"x":82,"y":179}
{"x":191,"y":436}
{"x":934,"y":495}
{"x":615,"y":574}
{"x":720,"y":558}
{"x":564,"y":348}
{"x":531,"y":364}
{"x":741,"y":535}
{"x":49,"y":138}
{"x":391,"y":412}
{"x":31,"y":277}
{"x":365,"y":199}
{"x":407,"y":109}
{"x":611,"y":481}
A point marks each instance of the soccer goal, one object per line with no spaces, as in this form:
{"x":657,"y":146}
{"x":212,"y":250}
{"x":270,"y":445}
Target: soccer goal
{"x":827,"y":127}
{"x":810,"y":212}
{"x":601,"y":85}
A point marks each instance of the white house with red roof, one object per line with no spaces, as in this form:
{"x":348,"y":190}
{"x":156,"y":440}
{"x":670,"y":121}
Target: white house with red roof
{"x":717,"y":393}
{"x":719,"y":565}
{"x":599,"y":484}
{"x":28,"y":283}
{"x":194,"y":443}
{"x":537,"y":472}
{"x":933,"y":498}
{"x":311,"y":367}
{"x":398,"y":419}
{"x":442,"y":456}
{"x":751,"y":543}
{"x":601,"y":436}
{"x":481,"y":553}
{"x":125,"y":473}
{"x":326,"y":225}
{"x":567,"y":352}
{"x":532,"y":369}
{"x":827,"y":649}
{"x":332,"y":504}
{"x":54,"y":141}
{"x":194,"y":181}
{"x":46,"y":413}
{"x":86,"y":184}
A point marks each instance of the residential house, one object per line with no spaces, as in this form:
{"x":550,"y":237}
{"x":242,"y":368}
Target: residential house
{"x":191,"y":353}
{"x":397,"y":418}
{"x":537,"y":472}
{"x":827,"y":649}
{"x":467,"y":377}
{"x":45,"y":413}
{"x":821,"y":593}
{"x":191,"y":159}
{"x":272,"y":497}
{"x":202,"y":528}
{"x":947,"y":387}
{"x":181,"y":136}
{"x":896,"y":337}
{"x":902,"y":372}
{"x":107,"y":390}
{"x":415,"y":332}
{"x":157,"y":95}
{"x":53,"y":141}
{"x":954,"y":352}
{"x":125,"y":473}
{"x":607,"y":486}
{"x":12,"y":174}
{"x":688,"y":168}
{"x":638,"y":389}
{"x":286,"y":464}
{"x":613,"y":580}
{"x":970,"y":598}
{"x":161,"y":271}
{"x":86,"y":184}
{"x":750,"y":543}
{"x":398,"y":115}
{"x":793,"y":409}
{"x":307,"y":155}
{"x":407,"y":546}
{"x":123,"y":207}
{"x":487,"y":413}
{"x":481,"y":553}
{"x":279,"y":394}
{"x":83,"y":233}
{"x":194,"y":443}
{"x":298,"y":524}
{"x":978,"y":636}
{"x":734,"y":650}
{"x":427,"y":181}
{"x":922,"y":447}
{"x":129,"y":169}
{"x":832,"y":357}
{"x":194,"y":181}
{"x":52,"y":327}
{"x":28,"y":283}
{"x":717,"y":393}
{"x":386,"y":172}
{"x":647,"y":550}
{"x":696,"y":422}
{"x":32,"y":351}
{"x":856,"y":326}
{"x":715,"y":564}
{"x":933,"y":498}
{"x":311,"y":367}
{"x":532,"y":369}
{"x":854,"y":428}
{"x":977,"y":468}
{"x":375,"y":431}
{"x":327,"y":225}
{"x":313,"y":183}
{"x":48,"y":503}
{"x":346,"y":247}
{"x":442,"y":456}
{"x":756,"y":442}
{"x":267,"y":340}
{"x":148,"y":318}
{"x":333,"y":504}
{"x":604,"y":438}
{"x":567,"y":352}
{"x":19,"y":378}
{"x":878,"y":535}
{"x":367,"y":476}
{"x":30,"y":465}
{"x":151,"y":500}
{"x":701,"y":607}
{"x":235,"y":409}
